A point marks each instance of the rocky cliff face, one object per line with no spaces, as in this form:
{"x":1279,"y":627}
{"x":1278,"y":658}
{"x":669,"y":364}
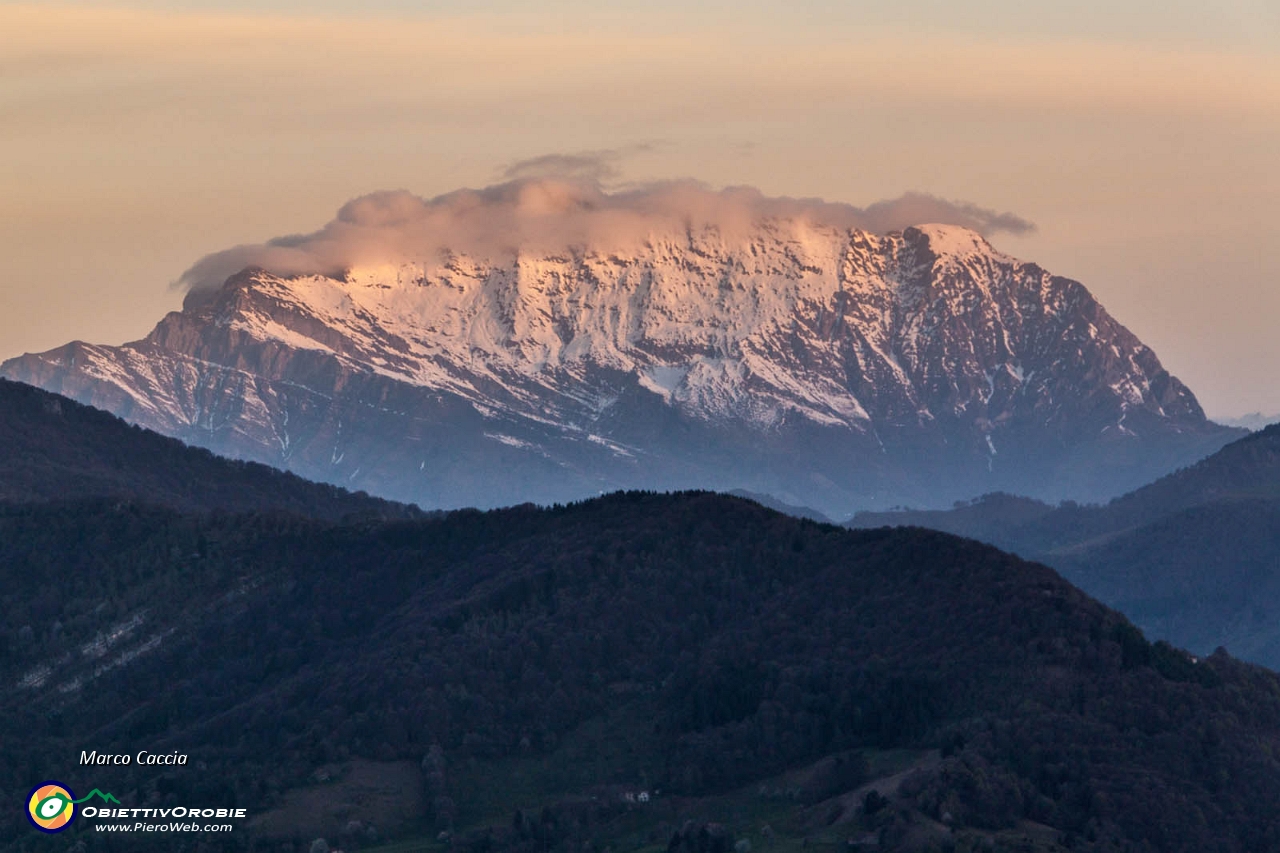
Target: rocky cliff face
{"x":829,"y":367}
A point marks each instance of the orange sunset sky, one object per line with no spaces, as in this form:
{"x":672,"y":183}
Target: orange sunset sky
{"x":1142,"y":139}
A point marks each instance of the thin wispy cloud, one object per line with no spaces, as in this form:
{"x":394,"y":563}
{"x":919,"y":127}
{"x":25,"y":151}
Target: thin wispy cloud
{"x":594,"y":166}
{"x":602,"y":166}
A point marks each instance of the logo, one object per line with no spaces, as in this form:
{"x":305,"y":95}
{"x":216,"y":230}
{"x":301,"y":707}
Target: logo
{"x":51,"y":806}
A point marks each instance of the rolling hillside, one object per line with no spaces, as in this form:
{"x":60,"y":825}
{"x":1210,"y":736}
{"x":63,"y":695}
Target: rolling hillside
{"x":742,"y":667}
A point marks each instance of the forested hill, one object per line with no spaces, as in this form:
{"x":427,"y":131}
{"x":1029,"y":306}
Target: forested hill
{"x":52,"y":448}
{"x":1193,"y":557}
{"x":747,"y":667}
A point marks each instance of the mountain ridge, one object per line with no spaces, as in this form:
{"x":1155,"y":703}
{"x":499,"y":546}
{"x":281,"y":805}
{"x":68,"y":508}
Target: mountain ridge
{"x":1190,"y":557}
{"x":830,"y":368}
{"x":53,"y":449}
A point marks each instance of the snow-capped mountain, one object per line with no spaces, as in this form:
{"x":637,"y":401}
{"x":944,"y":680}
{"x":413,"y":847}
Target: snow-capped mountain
{"x":828,"y":366}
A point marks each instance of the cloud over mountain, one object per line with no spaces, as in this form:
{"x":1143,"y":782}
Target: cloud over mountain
{"x":601,"y":166}
{"x":547,"y":214}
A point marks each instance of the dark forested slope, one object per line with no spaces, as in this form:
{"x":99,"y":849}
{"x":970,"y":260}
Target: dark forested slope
{"x":711,"y":644}
{"x":52,"y":448}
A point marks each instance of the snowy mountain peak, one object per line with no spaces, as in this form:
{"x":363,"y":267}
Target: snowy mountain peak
{"x":782,"y":353}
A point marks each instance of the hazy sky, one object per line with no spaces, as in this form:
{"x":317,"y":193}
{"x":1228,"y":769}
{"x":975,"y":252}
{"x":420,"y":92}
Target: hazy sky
{"x":1140,"y":137}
